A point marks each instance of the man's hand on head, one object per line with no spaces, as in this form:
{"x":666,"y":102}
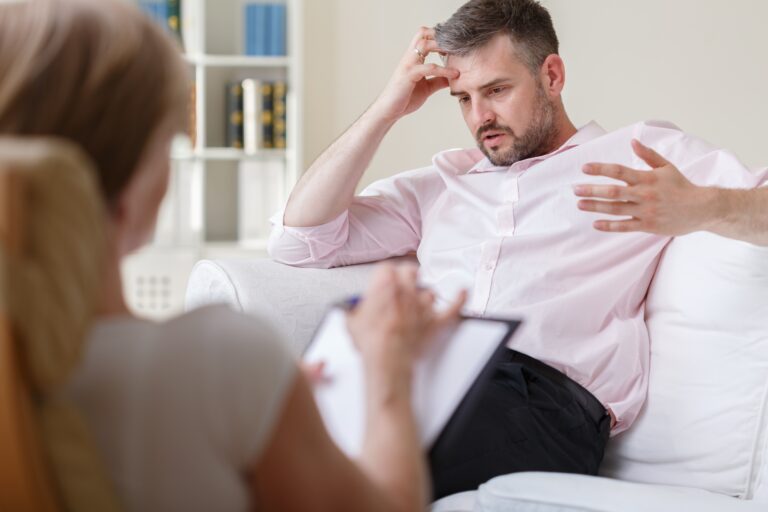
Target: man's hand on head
{"x":414,"y":81}
{"x":660,"y":201}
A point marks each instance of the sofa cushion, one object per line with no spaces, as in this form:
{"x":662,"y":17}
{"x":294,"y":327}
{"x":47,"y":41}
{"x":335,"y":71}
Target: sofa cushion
{"x":295,"y":299}
{"x":704,"y":423}
{"x":558,"y":492}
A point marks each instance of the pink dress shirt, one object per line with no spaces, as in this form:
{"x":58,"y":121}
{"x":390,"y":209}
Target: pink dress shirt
{"x":513,"y":237}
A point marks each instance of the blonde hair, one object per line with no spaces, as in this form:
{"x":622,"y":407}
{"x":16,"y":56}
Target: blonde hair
{"x":96,"y":72}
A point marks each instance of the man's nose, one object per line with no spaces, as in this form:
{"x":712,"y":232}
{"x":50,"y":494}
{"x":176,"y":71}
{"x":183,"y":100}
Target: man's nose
{"x":483,"y":114}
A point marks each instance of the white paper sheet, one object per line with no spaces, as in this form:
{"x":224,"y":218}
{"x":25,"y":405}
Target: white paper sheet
{"x":442,"y":376}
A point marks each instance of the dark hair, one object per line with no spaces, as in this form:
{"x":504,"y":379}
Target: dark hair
{"x":526,"y":22}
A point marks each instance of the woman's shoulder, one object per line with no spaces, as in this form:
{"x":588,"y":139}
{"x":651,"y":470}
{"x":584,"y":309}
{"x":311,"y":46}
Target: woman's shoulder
{"x":211,"y":339}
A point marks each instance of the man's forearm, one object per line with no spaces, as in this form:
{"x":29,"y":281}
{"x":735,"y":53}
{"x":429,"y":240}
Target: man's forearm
{"x":740,"y":214}
{"x":327,"y":189}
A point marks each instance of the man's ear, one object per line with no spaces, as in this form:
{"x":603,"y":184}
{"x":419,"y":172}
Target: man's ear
{"x":553,"y":75}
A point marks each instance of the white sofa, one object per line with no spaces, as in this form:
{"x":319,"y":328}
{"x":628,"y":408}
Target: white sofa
{"x":701,"y":442}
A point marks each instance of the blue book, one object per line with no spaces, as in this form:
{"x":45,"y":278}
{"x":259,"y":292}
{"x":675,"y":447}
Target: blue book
{"x":256,"y":24}
{"x":276,"y":31}
{"x":249,"y":29}
{"x":262,"y":29}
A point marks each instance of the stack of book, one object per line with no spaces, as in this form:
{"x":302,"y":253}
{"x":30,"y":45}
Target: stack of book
{"x":256,"y":115}
{"x":166,"y":12}
{"x":265,"y":29}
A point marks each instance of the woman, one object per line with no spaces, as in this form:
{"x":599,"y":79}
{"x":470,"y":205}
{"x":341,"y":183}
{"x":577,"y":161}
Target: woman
{"x":206,"y":411}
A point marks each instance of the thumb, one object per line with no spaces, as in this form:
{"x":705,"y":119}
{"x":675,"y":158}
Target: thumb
{"x":648,"y":155}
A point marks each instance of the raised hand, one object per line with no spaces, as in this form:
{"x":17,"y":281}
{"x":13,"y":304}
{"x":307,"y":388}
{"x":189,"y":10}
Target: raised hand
{"x":413,"y":82}
{"x":660,"y":201}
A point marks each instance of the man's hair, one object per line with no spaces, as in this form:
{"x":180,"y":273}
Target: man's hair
{"x":526,"y":22}
{"x":98,"y":73}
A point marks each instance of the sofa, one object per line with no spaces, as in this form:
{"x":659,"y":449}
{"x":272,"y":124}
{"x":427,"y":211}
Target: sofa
{"x":701,"y":441}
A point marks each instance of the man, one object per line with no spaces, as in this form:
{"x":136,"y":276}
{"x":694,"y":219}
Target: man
{"x":501,"y":222}
{"x":664,"y":202}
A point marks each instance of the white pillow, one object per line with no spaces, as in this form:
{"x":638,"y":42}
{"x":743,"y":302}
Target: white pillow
{"x":704,"y":423}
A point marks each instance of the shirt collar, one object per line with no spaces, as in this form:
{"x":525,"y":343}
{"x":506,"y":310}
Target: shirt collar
{"x":586,"y":133}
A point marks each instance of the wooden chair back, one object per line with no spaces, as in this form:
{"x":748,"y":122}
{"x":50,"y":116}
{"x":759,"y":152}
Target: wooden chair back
{"x":26,"y":483}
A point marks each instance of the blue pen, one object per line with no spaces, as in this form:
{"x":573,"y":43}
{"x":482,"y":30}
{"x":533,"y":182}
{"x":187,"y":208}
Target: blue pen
{"x":350,"y":303}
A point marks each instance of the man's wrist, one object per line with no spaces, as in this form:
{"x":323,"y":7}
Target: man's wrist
{"x":379,"y":115}
{"x":713,"y":208}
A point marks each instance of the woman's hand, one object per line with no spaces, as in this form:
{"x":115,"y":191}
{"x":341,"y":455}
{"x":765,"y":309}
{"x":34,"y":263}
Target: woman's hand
{"x":395,"y":320}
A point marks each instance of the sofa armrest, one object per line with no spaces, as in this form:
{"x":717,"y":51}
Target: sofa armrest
{"x":294,"y":299}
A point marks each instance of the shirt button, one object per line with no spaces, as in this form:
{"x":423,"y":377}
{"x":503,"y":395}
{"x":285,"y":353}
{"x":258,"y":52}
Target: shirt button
{"x":489,"y":266}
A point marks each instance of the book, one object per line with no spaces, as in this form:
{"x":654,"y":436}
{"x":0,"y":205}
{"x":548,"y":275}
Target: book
{"x":256,"y":29}
{"x":267,"y":102}
{"x":234,"y":113}
{"x":173,"y":18}
{"x":279,"y":97}
{"x":276,"y":29}
{"x":252,"y":105}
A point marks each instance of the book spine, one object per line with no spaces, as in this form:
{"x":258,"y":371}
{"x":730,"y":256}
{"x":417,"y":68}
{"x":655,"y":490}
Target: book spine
{"x":234,"y":110}
{"x":162,"y":14}
{"x":276,"y":31}
{"x":256,"y":29}
{"x":174,"y":18}
{"x":250,"y":29}
{"x":251,"y":115}
{"x":266,"y":115}
{"x":279,"y":97}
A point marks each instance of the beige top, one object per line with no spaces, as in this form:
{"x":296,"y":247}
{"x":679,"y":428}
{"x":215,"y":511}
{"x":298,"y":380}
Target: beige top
{"x":181,"y":410}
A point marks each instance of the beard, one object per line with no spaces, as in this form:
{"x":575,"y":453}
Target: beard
{"x":536,"y":140}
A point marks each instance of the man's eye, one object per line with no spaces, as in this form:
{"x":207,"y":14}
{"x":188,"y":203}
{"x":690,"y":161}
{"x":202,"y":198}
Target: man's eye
{"x":463,"y":100}
{"x":497,"y":90}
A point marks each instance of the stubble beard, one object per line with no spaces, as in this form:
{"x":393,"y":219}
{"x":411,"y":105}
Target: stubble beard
{"x":536,"y":141}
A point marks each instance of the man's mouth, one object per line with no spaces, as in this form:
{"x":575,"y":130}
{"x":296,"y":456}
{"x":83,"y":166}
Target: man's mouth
{"x":492,"y":139}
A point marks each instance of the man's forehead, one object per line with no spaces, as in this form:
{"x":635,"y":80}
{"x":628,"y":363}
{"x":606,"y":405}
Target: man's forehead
{"x":475,"y":73}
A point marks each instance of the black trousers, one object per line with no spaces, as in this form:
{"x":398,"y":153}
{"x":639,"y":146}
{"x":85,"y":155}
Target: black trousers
{"x":526,"y":417}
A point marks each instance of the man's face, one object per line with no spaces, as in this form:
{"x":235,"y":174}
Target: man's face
{"x":504,"y":105}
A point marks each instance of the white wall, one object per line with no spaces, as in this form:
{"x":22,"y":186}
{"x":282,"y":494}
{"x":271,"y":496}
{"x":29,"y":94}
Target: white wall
{"x":700,"y":63}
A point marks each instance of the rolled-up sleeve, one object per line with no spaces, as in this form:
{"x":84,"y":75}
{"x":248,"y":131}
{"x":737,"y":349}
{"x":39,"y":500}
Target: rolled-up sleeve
{"x":383,"y":222}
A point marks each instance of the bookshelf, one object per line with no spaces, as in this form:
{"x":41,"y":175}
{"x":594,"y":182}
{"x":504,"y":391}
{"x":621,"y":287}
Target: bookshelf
{"x":219,"y":197}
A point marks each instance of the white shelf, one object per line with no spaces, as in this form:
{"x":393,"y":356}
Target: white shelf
{"x":237,"y":61}
{"x":230,"y":154}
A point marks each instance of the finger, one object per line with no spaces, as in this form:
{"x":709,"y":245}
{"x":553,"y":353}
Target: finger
{"x":436,"y":84}
{"x":454,"y":310}
{"x":621,"y":208}
{"x":424,"y":33}
{"x":615,"y":192}
{"x":407,"y":276}
{"x":314,"y":372}
{"x":420,"y":72}
{"x":426,"y":298}
{"x":615,"y":171}
{"x":648,"y":155}
{"x":619,"y":226}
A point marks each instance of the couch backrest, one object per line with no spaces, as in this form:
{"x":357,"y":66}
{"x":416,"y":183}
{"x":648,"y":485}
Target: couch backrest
{"x":705,"y":422}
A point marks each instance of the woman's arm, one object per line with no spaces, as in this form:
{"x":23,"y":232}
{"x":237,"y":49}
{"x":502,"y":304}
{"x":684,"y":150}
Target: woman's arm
{"x":302,"y":469}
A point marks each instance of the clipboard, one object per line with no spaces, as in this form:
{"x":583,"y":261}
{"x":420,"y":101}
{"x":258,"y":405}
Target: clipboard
{"x":452,"y":365}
